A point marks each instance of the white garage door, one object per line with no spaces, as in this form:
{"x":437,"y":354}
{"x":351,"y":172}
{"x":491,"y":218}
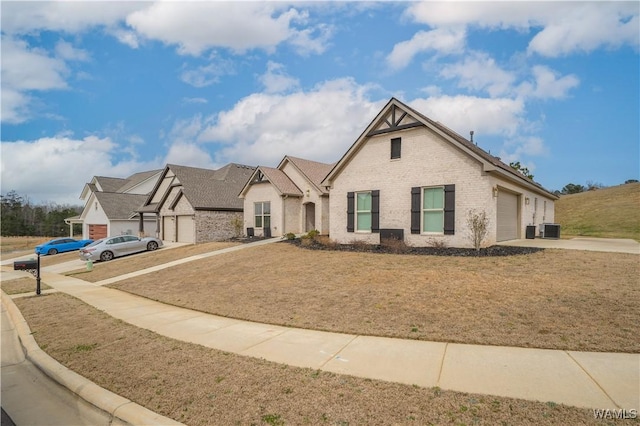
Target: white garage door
{"x":186,"y":229}
{"x":507,"y":216}
{"x":168,"y":229}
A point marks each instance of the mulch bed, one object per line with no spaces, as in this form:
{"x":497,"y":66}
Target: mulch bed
{"x":395,"y":248}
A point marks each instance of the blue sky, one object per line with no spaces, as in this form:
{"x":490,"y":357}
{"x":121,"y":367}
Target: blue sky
{"x":114,"y":88}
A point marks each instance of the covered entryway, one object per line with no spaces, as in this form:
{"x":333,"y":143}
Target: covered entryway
{"x":168,"y":228}
{"x":97,"y":232}
{"x":507,"y":218}
{"x":309,"y":217}
{"x":186,"y":229}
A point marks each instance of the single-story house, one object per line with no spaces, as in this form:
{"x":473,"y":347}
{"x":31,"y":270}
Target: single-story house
{"x":287,"y":199}
{"x":110,"y":205}
{"x":194,"y":205}
{"x":413,"y":178}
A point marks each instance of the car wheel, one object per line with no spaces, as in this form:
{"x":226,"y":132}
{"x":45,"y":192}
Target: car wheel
{"x":106,"y":255}
{"x":152,"y":245}
{"x":52,"y":252}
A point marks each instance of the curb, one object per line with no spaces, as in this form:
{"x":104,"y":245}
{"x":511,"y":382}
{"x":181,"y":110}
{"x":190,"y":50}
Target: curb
{"x":121,"y":410}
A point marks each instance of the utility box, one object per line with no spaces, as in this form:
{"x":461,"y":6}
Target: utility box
{"x":550,"y":230}
{"x":530,"y":232}
{"x":25,"y":265}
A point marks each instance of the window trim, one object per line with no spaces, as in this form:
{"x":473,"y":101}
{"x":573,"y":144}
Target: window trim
{"x":262,"y":215}
{"x":423,"y":210}
{"x":356,"y":212}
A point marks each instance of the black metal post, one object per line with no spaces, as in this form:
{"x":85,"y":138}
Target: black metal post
{"x":38,"y":276}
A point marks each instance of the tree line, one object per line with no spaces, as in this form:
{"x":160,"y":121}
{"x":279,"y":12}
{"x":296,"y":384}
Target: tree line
{"x":574,"y":188}
{"x":22,"y":218}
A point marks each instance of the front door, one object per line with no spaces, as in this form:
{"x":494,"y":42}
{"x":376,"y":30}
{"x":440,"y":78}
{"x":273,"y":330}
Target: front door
{"x":310,"y":217}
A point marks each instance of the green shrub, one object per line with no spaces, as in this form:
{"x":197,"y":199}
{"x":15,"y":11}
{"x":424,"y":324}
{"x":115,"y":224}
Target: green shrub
{"x":290,"y":236}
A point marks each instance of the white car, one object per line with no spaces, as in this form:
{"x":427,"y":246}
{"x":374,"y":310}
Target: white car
{"x":108,"y":248}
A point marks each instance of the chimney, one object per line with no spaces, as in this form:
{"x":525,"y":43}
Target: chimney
{"x":471,"y":133}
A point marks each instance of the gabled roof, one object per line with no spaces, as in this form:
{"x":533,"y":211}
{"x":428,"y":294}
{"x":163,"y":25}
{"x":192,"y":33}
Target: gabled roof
{"x":137,"y":179}
{"x":109,"y":184}
{"x":208,"y":189}
{"x":314,"y":171}
{"x":410,"y":118}
{"x":276,"y":177}
{"x":119,"y":206}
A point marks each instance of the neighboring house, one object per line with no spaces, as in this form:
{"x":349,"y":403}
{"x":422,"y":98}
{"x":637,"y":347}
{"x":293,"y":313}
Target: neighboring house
{"x":288,"y":198}
{"x":194,"y":205}
{"x":416,"y":179}
{"x":110,"y":205}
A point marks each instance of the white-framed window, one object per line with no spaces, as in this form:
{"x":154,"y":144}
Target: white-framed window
{"x":433,"y":210}
{"x":262,"y":211}
{"x":363,"y":211}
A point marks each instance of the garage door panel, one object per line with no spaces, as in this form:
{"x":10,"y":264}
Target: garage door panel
{"x":507,"y":218}
{"x":186,"y":229}
{"x":168,"y":229}
{"x":97,"y":232}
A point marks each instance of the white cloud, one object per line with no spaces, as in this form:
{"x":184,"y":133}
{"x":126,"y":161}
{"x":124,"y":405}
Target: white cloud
{"x":500,"y":116}
{"x":198,"y":26}
{"x":319,"y":124}
{"x":311,"y":40}
{"x":69,"y":16}
{"x":589,"y":26}
{"x":194,"y":100}
{"x":207,"y":75}
{"x":26,"y":69}
{"x":564,"y":27}
{"x":189,"y":154}
{"x":34,"y":168}
{"x":479,"y":72}
{"x":521,"y":147}
{"x":441,"y":40}
{"x":548,"y":84}
{"x":276,"y":80}
{"x":66,"y":51}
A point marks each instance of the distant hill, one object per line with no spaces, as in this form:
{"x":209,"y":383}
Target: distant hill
{"x":608,"y":212}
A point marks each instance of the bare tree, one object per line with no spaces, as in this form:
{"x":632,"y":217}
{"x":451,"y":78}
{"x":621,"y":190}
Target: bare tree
{"x":478,"y":225}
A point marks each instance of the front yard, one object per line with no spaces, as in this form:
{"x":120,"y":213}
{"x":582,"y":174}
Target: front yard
{"x":557,"y":299}
{"x":200,"y":386}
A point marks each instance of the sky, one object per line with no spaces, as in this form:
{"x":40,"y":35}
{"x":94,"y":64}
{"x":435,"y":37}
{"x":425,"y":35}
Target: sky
{"x":113,"y":88}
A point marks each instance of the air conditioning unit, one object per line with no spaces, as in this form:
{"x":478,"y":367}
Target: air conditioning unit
{"x":549,"y":230}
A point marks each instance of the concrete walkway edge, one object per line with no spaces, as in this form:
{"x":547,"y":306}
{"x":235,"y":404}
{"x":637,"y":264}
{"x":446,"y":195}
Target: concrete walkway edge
{"x":121,"y":410}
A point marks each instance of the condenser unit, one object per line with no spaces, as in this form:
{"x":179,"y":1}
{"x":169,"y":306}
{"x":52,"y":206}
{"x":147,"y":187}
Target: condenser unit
{"x":549,"y":230}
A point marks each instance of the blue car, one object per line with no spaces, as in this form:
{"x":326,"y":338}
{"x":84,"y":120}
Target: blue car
{"x":60,"y":245}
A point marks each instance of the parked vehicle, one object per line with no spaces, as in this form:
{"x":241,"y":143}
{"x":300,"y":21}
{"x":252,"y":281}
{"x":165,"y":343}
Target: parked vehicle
{"x":60,"y":245}
{"x":108,"y":248}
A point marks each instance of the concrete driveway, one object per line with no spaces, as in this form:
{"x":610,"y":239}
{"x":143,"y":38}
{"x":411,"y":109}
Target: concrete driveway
{"x":612,"y":245}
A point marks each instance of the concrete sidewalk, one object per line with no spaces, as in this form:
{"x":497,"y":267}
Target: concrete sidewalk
{"x":582,"y":379}
{"x":611,"y":245}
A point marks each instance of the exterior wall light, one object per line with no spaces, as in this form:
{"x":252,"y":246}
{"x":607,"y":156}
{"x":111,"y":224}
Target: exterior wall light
{"x":495,"y":192}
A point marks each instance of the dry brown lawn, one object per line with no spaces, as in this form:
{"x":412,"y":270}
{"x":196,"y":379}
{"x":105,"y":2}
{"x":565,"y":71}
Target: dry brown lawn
{"x":557,"y":299}
{"x":200,"y":386}
{"x":124,"y":265}
{"x":22,"y":285}
{"x":8,"y":245}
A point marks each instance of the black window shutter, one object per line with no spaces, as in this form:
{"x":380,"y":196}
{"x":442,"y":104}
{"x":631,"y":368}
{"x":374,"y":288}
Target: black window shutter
{"x":449,"y":209}
{"x":350,"y":211}
{"x":375,"y":211}
{"x":415,"y":210}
